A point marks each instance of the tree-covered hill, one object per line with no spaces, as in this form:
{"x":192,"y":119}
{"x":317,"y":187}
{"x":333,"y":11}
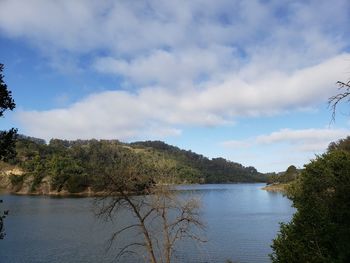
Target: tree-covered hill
{"x":216,"y":170}
{"x":78,"y":166}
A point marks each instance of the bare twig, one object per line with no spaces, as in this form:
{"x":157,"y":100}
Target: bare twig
{"x":125,"y":250}
{"x":159,"y":216}
{"x":336,"y":99}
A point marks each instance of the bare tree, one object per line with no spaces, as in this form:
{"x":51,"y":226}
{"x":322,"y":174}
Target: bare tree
{"x":160,"y":216}
{"x":336,"y":99}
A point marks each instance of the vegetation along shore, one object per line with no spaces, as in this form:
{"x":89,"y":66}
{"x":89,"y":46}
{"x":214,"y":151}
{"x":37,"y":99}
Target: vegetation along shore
{"x":77,"y":167}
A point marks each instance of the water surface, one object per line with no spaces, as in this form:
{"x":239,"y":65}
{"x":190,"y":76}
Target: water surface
{"x":241,"y":221}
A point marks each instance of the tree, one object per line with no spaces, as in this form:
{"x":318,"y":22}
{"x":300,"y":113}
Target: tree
{"x":158,"y":215}
{"x":320,"y":229}
{"x":7,"y":138}
{"x":284,"y":177}
{"x":342,"y":144}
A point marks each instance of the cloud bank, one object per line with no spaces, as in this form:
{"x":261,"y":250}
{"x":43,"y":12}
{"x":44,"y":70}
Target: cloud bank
{"x":125,"y":115}
{"x":277,"y":150}
{"x":185,"y":63}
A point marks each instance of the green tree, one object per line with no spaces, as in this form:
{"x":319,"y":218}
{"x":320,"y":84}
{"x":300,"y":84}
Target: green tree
{"x":7,"y":138}
{"x":320,"y":229}
{"x":342,"y":144}
{"x":66,"y":172}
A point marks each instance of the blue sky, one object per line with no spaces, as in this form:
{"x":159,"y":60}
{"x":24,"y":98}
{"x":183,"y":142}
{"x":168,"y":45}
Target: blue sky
{"x":245,"y":80}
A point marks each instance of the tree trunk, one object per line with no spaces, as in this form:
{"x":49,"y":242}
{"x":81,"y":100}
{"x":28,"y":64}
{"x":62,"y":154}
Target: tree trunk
{"x":167,"y":245}
{"x":149,"y":245}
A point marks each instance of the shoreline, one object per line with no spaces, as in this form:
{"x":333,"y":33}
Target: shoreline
{"x":282,"y":188}
{"x":90,"y":193}
{"x":86,"y":193}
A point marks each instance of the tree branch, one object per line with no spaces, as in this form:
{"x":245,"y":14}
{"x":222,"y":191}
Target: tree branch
{"x":336,"y":99}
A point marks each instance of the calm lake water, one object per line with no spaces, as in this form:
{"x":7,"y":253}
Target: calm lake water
{"x":241,"y":221}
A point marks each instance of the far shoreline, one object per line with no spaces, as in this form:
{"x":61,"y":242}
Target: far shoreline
{"x":278,"y":187}
{"x":90,"y":193}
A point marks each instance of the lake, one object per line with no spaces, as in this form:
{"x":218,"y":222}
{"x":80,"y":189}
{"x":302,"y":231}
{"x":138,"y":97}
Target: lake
{"x":241,"y":221}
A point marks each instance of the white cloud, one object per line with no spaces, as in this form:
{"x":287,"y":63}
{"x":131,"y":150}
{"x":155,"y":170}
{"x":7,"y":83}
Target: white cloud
{"x":128,"y":28}
{"x":272,"y":92}
{"x":310,"y":140}
{"x":127,"y":115}
{"x":199,"y":63}
{"x":279,"y":149}
{"x":170,"y":68}
{"x":173,"y":43}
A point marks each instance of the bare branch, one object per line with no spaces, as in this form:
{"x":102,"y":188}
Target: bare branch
{"x":148,"y":214}
{"x":336,"y":99}
{"x":162,"y":219}
{"x":117,"y":233}
{"x":125,"y":250}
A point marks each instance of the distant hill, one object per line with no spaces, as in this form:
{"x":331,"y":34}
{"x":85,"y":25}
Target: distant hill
{"x":63,"y":166}
{"x":216,"y":170}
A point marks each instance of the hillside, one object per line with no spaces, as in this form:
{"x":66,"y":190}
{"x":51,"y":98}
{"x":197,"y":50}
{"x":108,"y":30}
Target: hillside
{"x":216,"y":170}
{"x":78,"y":166}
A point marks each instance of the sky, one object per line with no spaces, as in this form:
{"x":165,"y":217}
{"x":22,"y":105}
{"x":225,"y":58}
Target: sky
{"x":246,"y":80}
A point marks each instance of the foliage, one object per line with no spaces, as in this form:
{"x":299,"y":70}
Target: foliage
{"x":320,"y":229}
{"x":217,"y":170}
{"x":66,"y":171}
{"x":284,"y":177}
{"x":342,"y":144}
{"x":6,"y":137}
{"x":76,"y":165}
{"x":16,"y":179}
{"x":7,"y":144}
{"x":6,"y":103}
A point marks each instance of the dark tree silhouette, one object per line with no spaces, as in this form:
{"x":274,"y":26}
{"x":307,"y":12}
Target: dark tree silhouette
{"x":7,"y":138}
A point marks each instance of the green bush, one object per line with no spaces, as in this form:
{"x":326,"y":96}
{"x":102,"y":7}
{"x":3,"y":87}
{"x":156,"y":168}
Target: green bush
{"x":320,"y":229}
